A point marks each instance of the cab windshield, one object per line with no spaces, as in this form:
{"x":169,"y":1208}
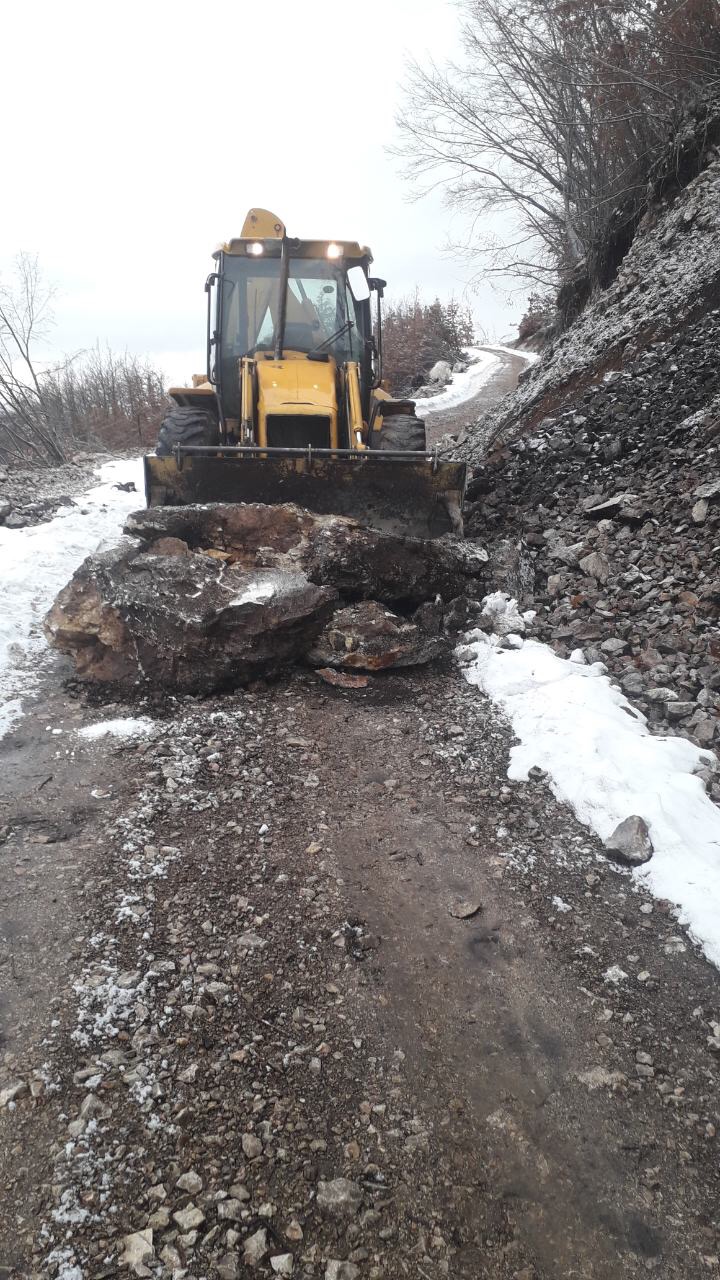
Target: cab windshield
{"x":319,"y":303}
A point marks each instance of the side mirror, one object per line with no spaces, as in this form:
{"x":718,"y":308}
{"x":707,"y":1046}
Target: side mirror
{"x":359,"y":286}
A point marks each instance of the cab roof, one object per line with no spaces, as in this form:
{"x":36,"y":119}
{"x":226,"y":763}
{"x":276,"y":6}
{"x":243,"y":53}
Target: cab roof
{"x":264,"y":226}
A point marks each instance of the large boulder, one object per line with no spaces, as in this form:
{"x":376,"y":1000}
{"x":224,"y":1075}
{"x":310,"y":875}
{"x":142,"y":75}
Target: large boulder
{"x":370,"y":637}
{"x":330,"y":550}
{"x":183,"y":620}
{"x":441,"y":373}
{"x":205,"y":596}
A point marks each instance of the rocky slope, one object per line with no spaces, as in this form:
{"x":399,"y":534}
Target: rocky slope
{"x":603,"y":471}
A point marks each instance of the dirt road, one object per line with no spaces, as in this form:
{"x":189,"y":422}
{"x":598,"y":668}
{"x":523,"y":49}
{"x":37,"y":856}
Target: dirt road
{"x":302,"y":985}
{"x":501,"y":381}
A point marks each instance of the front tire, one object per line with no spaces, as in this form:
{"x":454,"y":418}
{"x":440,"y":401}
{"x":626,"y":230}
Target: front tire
{"x":188,"y":426}
{"x":402,"y":433}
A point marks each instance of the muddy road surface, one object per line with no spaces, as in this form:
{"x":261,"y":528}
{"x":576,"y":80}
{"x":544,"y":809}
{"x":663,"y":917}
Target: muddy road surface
{"x":300,"y":984}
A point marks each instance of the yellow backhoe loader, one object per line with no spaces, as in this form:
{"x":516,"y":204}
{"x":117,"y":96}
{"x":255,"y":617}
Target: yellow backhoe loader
{"x":293,"y":407}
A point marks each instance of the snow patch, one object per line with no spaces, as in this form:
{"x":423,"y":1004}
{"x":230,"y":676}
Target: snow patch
{"x":36,"y":563}
{"x":602,"y":761}
{"x":560,"y":904}
{"x":614,"y":974}
{"x":123,"y":728}
{"x":530,"y":356}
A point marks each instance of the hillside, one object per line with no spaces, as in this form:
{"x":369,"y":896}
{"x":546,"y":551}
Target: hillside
{"x":603,"y":468}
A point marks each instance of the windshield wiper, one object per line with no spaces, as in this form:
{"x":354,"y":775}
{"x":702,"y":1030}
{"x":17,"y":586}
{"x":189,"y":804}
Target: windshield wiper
{"x":344,"y":328}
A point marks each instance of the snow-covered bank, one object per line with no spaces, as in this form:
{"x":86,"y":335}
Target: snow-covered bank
{"x":35,"y":563}
{"x":464,"y":386}
{"x":601,"y":760}
{"x":530,"y":356}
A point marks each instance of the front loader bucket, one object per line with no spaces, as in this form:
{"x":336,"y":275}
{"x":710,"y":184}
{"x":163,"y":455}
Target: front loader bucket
{"x":402,"y":493}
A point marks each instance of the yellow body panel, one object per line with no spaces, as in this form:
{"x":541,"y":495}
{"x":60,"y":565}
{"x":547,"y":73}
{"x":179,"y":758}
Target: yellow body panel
{"x":261,"y":224}
{"x":298,"y":386}
{"x":356,"y":427}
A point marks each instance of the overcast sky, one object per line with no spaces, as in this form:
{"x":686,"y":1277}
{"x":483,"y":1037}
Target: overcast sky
{"x":136,"y":137}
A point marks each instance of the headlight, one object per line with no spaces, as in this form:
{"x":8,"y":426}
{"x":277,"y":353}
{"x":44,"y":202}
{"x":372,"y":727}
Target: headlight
{"x":334,"y":251}
{"x":255,"y":249}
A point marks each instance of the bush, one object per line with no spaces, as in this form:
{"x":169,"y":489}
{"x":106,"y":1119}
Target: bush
{"x":541,"y":311}
{"x":417,"y":334}
{"x":107,"y":399}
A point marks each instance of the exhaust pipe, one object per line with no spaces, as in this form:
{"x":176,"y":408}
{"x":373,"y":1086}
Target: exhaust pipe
{"x":282,"y":303}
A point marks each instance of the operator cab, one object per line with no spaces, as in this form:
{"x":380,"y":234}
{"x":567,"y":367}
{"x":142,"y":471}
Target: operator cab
{"x":326,"y":313}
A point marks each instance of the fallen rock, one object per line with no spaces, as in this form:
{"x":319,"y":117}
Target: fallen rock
{"x":330,"y":550}
{"x":189,"y":1218}
{"x":336,"y":1270}
{"x":15,"y":1090}
{"x":440,"y":374}
{"x":464,"y":908}
{"x":190,"y":1182}
{"x":230,"y":1210}
{"x":369,"y":637}
{"x":256,"y":1246}
{"x":184,"y":622}
{"x":227,"y":1267}
{"x":341,"y":679}
{"x":630,"y":842}
{"x":137,"y":1249}
{"x":596,"y":566}
{"x":340,"y":1198}
{"x":211,"y":596}
{"x":282,"y":1264}
{"x":252,"y":1146}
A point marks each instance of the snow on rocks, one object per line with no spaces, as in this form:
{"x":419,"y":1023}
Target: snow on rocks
{"x":124,"y":727}
{"x":441,"y":373}
{"x":502,"y":615}
{"x":572,"y":722}
{"x":35,"y":562}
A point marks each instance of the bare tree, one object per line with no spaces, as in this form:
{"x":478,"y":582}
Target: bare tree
{"x":554,"y":119}
{"x":92,"y":398}
{"x":26,"y":426}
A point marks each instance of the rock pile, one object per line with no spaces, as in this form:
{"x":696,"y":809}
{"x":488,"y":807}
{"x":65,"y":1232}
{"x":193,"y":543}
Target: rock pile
{"x":31,"y":496}
{"x":609,"y":487}
{"x":201,"y":597}
{"x":615,"y":504}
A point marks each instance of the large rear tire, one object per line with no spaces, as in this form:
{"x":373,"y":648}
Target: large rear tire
{"x":186,"y":426}
{"x":403,"y":433}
